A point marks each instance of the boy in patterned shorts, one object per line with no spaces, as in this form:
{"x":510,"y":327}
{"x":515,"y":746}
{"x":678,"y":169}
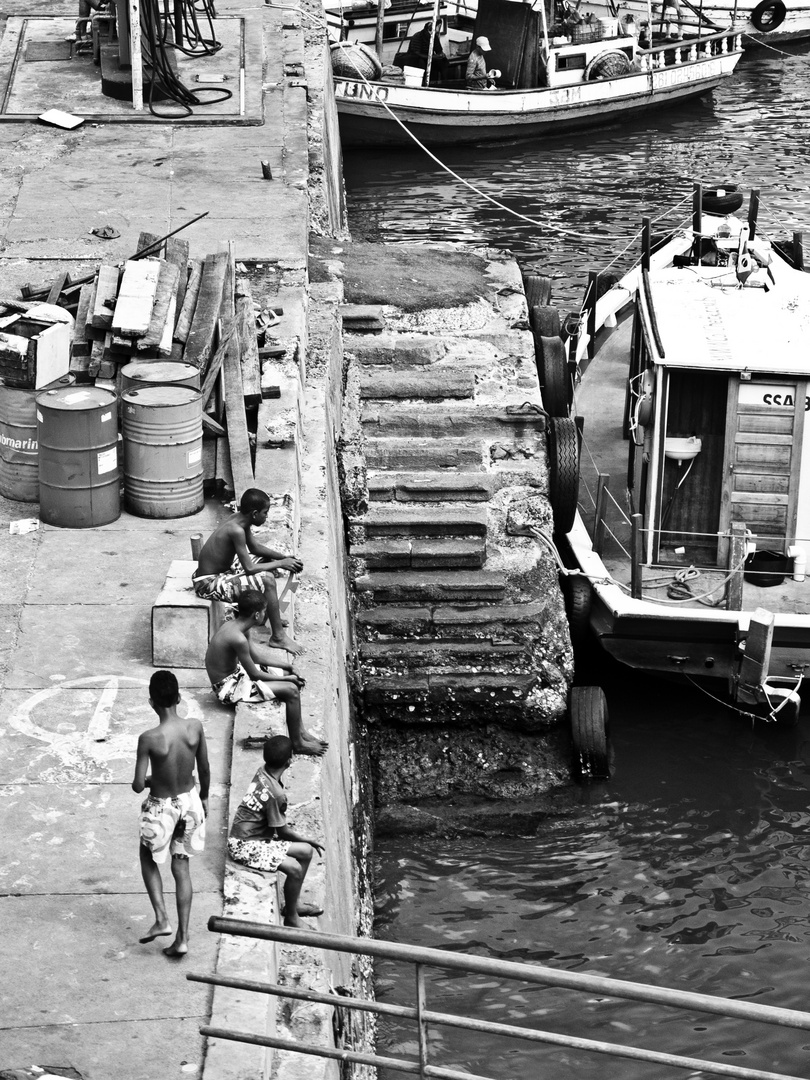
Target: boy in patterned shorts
{"x":233,"y":560}
{"x":173,"y":814}
{"x":260,"y":836}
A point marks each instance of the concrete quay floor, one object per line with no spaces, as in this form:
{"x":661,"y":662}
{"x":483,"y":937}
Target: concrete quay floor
{"x":78,"y":991}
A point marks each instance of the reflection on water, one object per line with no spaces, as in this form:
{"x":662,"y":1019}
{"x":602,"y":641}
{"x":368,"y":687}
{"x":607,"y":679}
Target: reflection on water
{"x":753,"y":131}
{"x":689,"y":869}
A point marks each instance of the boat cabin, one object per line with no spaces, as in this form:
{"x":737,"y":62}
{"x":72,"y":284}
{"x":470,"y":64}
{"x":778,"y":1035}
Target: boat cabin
{"x":717,"y":399}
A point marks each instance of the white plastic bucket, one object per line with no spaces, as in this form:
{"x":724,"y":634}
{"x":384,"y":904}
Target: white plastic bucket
{"x":610,"y":27}
{"x":413,"y":75}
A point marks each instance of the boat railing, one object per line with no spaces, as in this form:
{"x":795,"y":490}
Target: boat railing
{"x":620,"y":539}
{"x":689,"y":50}
{"x":600,"y":988}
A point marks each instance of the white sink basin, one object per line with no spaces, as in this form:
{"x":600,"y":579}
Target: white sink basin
{"x":681,"y":449}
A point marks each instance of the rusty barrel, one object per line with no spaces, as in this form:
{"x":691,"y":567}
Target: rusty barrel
{"x":163,"y":469}
{"x":19,"y":455}
{"x":79,"y":481}
{"x":142,"y":373}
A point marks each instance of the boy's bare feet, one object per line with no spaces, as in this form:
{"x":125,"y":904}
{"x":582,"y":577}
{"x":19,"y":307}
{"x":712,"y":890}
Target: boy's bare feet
{"x":176,"y":950}
{"x":296,"y":922}
{"x":306,"y":909}
{"x":310,"y":745}
{"x":157,"y":929}
{"x":284,"y":641}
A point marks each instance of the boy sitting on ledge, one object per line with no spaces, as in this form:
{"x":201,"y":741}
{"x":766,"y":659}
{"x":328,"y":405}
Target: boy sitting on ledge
{"x":242,"y":670}
{"x":260,"y":836}
{"x":232,"y":560}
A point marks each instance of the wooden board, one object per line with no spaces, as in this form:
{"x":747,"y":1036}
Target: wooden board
{"x":186,"y":313}
{"x":164,"y":299}
{"x":177,"y":253}
{"x":81,"y":343}
{"x":106,"y":293}
{"x":200,"y":342}
{"x":136,"y":296}
{"x":146,"y":240}
{"x":238,"y":441}
{"x":248,"y":349}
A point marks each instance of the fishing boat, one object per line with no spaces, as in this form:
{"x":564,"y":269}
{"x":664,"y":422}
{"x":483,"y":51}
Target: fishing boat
{"x":544,"y":83}
{"x":356,"y":21}
{"x":681,"y":495}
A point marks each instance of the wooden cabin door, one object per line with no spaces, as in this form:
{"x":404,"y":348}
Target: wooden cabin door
{"x":764,"y":431}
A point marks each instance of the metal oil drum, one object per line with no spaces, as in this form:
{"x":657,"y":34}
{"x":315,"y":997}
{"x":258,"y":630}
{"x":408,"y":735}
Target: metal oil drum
{"x":79,"y":481}
{"x":19,"y":455}
{"x":142,"y":373}
{"x":163,"y":468}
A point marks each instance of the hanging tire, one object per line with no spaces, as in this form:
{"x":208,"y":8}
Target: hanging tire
{"x":588,"y":714}
{"x":537,"y":289}
{"x":552,"y":371}
{"x":563,"y":471}
{"x":767,"y":15}
{"x":578,"y":598}
{"x":731,"y":199}
{"x":545,"y":320}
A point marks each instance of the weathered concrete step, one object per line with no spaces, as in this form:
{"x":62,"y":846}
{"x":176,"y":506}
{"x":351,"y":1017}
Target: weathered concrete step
{"x":438,"y":585}
{"x":436,"y":385}
{"x":485,"y":690}
{"x":387,"y":520}
{"x":391,"y":453}
{"x":439,"y":651}
{"x":445,"y":486}
{"x":412,"y":621}
{"x":432,"y":553}
{"x":423,"y":421}
{"x":402,"y":350}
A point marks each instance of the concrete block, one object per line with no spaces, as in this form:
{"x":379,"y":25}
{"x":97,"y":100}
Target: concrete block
{"x":433,"y":553}
{"x":432,"y":585}
{"x":182,"y":623}
{"x":425,"y":453}
{"x":390,"y":554}
{"x":416,"y":521}
{"x":437,"y":384}
{"x":402,"y":350}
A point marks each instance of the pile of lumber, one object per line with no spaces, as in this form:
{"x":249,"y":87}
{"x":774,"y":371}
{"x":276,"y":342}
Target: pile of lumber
{"x":162,"y":305}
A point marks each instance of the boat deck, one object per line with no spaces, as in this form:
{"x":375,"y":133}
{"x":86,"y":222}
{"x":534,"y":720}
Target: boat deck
{"x":600,"y":399}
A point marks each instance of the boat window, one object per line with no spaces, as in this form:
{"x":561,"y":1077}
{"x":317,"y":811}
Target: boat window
{"x":571,"y":63}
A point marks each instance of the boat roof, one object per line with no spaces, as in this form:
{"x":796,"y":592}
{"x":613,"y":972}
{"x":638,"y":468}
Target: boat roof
{"x":707,"y":320}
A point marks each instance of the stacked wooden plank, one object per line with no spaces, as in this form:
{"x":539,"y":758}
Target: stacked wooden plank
{"x":162,"y":305}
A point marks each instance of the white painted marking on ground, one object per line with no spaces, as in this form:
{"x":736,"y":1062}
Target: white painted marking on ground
{"x":99,"y":727}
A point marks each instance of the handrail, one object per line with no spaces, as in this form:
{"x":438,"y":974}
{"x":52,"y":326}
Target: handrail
{"x":527,"y":973}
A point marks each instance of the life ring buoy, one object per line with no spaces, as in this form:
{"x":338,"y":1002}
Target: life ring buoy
{"x":643,"y":411}
{"x":768,"y":14}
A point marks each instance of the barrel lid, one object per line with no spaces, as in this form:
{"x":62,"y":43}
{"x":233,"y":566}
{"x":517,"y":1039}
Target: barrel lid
{"x":76,"y":398}
{"x":158,"y":371}
{"x":155,"y":396}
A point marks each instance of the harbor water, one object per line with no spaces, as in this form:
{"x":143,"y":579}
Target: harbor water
{"x":690,"y":868}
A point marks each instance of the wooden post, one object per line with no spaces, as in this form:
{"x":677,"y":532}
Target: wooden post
{"x":736,"y":558}
{"x":196,"y":545}
{"x":798,"y":250}
{"x":378,"y":37}
{"x":593,"y":290}
{"x":637,"y":555}
{"x":697,"y":209}
{"x":753,"y":213}
{"x":645,"y":243}
{"x":136,"y":55}
{"x":603,"y":483}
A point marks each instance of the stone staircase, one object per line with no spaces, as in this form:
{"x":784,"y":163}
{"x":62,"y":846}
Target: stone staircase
{"x":458,"y":614}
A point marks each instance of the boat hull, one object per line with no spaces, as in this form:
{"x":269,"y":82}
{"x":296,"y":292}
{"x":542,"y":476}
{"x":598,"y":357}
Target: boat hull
{"x":446,"y":117}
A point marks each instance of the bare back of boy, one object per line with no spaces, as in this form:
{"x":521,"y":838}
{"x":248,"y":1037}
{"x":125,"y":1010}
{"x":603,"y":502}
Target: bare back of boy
{"x":220,"y":548}
{"x":223,"y":653}
{"x":171,"y":750}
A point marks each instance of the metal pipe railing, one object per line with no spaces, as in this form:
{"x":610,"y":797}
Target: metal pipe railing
{"x":507,"y":969}
{"x":424,"y":1016}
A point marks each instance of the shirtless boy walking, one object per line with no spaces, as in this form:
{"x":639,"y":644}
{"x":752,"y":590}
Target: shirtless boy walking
{"x":241,"y":669}
{"x":173,"y":814}
{"x":232,"y":560}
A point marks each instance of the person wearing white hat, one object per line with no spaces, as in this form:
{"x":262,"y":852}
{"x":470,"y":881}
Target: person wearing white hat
{"x":476,"y":74}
